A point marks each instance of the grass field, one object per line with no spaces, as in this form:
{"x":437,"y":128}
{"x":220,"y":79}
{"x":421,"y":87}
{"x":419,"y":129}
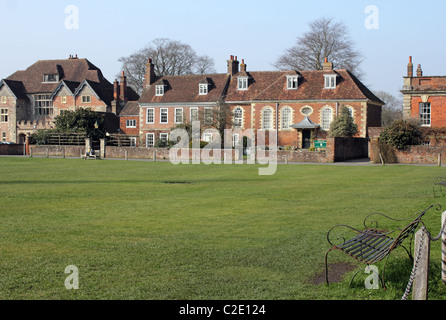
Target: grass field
{"x":152,"y":230}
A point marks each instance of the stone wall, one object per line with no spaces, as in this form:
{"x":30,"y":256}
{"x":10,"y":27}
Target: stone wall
{"x":57,"y":151}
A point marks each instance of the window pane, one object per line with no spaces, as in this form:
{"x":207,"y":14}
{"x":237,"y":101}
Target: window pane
{"x":267,"y":119}
{"x":327,"y":117}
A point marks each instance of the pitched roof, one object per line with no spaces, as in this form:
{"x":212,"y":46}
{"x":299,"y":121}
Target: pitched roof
{"x":185,"y":88}
{"x":131,"y":108}
{"x":272,"y":86}
{"x":75,"y":70}
{"x":16,"y":88}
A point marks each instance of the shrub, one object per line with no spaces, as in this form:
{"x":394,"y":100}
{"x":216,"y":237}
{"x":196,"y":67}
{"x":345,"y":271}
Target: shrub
{"x":402,"y":133}
{"x":343,"y":125}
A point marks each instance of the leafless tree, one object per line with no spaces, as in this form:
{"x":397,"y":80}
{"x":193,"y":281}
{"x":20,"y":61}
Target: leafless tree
{"x":325,"y":39}
{"x":393,"y":108}
{"x":170,"y":57}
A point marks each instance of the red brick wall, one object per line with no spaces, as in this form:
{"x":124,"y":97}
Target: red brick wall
{"x":123,"y":126}
{"x":438,"y":109}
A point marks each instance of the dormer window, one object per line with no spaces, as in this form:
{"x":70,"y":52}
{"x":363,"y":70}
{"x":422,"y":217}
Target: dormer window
{"x":330,"y":81}
{"x":203,"y":88}
{"x":50,"y":78}
{"x":159,"y":90}
{"x":292,"y":82}
{"x":242,"y":83}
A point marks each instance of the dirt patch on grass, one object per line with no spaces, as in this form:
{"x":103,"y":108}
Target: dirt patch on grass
{"x":336,"y":272}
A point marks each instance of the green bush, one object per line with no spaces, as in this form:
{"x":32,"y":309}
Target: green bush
{"x":402,"y":133}
{"x":343,"y":125}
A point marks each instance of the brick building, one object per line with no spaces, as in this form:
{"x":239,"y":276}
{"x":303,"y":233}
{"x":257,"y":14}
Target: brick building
{"x":298,"y":105}
{"x":424,"y":97}
{"x":30,"y":99}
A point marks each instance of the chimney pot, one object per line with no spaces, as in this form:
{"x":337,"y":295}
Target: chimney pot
{"x":410,"y":68}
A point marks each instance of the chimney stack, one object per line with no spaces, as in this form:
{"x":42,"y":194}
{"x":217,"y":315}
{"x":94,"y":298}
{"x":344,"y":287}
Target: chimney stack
{"x":419,"y":71}
{"x":243,"y":66}
{"x":327,"y":66}
{"x":123,"y":87}
{"x":233,"y":65}
{"x":150,"y":77}
{"x":116,"y":90}
{"x":410,"y":68}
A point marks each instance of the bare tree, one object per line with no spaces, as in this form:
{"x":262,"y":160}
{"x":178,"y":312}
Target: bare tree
{"x":325,"y":39}
{"x":170,"y":57}
{"x":393,"y":108}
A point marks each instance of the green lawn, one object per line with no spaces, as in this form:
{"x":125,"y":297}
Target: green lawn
{"x":153,"y":230}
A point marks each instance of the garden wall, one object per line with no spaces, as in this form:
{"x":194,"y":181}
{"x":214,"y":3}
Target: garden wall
{"x":412,"y":154}
{"x":11,"y":149}
{"x":56,"y":151}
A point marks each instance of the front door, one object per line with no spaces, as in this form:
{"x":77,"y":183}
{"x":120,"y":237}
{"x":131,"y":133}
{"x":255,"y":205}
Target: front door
{"x":306,"y":139}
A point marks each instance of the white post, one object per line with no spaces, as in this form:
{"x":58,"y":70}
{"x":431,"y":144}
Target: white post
{"x":420,"y":283}
{"x":443,"y":248}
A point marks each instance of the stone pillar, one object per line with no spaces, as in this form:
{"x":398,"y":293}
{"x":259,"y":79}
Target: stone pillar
{"x":102,"y":152}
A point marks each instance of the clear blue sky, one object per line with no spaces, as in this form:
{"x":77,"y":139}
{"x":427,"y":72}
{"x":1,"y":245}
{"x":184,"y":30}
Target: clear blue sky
{"x":255,"y":30}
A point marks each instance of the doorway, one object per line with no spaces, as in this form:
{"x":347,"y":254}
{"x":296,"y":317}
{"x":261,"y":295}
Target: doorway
{"x":306,"y":139}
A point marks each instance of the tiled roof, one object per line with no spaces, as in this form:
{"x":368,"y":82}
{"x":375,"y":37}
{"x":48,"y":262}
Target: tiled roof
{"x":75,"y":70}
{"x":263,"y":86}
{"x":185,"y":89}
{"x":272,"y":86}
{"x":131,"y":108}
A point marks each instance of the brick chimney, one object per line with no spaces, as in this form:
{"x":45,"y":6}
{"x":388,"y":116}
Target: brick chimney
{"x":419,"y":71}
{"x":233,"y":65}
{"x":327,"y":66}
{"x":410,"y":68}
{"x":124,"y":87}
{"x":243,"y":66}
{"x":150,"y":77}
{"x":116,"y":90}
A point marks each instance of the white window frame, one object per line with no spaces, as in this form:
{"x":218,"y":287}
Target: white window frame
{"x":191,"y":115}
{"x":132,"y":141}
{"x":152,"y":138}
{"x":325,"y":123}
{"x":4,"y":99}
{"x":286,"y":123}
{"x":270,"y":125}
{"x":207,"y":136}
{"x":63,"y":99}
{"x":3,"y":136}
{"x":164,"y":112}
{"x":151,"y":116}
{"x":164,"y":137}
{"x":203,"y":89}
{"x":425,"y":113}
{"x":159,"y":90}
{"x":235,"y":140}
{"x":179,"y":117}
{"x":238,"y":117}
{"x":130,"y":123}
{"x":242,"y":83}
{"x":330,"y":81}
{"x":292,"y":82}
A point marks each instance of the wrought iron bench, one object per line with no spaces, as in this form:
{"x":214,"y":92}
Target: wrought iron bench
{"x":373,"y":245}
